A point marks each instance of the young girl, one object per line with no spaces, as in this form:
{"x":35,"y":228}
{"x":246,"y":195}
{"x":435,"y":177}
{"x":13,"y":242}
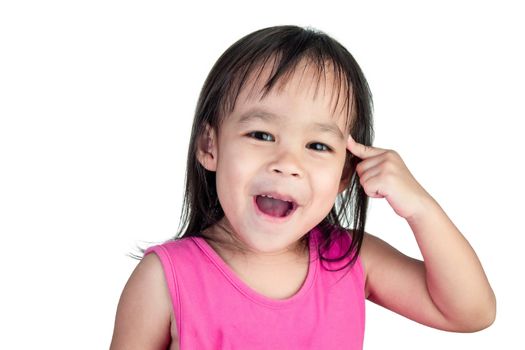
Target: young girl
{"x":280,"y":163}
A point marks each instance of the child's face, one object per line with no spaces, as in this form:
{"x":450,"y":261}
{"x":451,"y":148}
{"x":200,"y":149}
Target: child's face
{"x":287,"y":155}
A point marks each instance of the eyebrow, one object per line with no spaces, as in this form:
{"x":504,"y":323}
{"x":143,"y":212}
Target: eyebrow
{"x":261,"y":114}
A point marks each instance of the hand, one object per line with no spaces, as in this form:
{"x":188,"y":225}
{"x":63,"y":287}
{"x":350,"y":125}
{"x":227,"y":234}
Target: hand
{"x":383,"y":174}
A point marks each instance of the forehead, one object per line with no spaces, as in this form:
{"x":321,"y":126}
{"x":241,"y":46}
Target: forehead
{"x":307,"y":90}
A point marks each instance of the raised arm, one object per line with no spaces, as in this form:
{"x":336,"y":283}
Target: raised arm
{"x":449,"y":289}
{"x":459,"y":299}
{"x":454,"y":275}
{"x":143,"y":313}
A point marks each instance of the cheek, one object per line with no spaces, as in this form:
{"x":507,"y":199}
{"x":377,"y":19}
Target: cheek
{"x":235,"y":170}
{"x":234,"y":163}
{"x":326,"y":181}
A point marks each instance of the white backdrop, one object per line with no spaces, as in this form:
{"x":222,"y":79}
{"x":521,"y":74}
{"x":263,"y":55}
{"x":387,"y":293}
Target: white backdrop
{"x":96,"y":104}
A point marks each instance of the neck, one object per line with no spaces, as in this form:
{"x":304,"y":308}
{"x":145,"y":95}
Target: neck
{"x":230,"y":248}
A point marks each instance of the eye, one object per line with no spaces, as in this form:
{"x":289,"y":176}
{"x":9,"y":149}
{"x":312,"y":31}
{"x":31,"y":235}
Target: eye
{"x":261,"y":135}
{"x":320,"y":147}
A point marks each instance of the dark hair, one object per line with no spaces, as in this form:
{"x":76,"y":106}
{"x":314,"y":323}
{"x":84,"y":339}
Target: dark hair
{"x":289,"y":45}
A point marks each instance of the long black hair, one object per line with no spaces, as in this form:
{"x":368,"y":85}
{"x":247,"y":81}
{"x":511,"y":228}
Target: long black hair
{"x":287,"y":45}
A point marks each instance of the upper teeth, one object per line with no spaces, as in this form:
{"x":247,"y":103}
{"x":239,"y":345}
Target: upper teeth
{"x":266,"y":195}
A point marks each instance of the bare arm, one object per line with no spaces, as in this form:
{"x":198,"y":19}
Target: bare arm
{"x":143,"y":312}
{"x":448,"y":290}
{"x":454,"y":275}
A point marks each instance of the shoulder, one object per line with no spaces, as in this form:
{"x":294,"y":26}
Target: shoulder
{"x":396,"y":281}
{"x":377,"y":256}
{"x":144,"y":310}
{"x":369,"y":250}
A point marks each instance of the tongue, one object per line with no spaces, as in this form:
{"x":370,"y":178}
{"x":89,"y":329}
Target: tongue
{"x":272,"y":206}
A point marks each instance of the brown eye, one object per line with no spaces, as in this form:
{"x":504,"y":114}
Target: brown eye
{"x":261,"y":135}
{"x":320,"y":147}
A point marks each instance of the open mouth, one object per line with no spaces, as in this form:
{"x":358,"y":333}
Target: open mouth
{"x":275,"y":207}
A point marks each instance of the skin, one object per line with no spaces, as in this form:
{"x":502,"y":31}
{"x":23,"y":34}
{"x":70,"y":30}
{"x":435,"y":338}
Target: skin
{"x":285,"y":154}
{"x":448,"y":290}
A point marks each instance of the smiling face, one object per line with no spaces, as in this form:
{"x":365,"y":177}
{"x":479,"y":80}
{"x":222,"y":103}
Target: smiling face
{"x":288,"y":145}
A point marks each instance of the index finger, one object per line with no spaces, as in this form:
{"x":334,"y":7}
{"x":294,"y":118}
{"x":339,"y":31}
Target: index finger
{"x":362,"y":151}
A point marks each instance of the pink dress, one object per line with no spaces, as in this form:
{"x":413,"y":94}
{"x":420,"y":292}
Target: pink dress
{"x":215,"y":309}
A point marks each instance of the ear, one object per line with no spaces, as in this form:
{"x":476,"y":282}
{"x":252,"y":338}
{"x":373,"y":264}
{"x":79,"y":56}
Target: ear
{"x":343,"y":185}
{"x":207,"y":148}
{"x":345,"y":177}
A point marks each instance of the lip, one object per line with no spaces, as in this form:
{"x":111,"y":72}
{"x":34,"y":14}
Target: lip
{"x":274,"y":218}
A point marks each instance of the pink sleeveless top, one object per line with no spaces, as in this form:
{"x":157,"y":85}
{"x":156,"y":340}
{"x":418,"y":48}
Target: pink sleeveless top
{"x":215,"y":309}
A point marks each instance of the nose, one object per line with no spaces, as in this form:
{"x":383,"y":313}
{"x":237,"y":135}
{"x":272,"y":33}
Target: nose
{"x":287,"y":163}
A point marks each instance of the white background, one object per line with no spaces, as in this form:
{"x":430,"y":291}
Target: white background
{"x":96,"y":104}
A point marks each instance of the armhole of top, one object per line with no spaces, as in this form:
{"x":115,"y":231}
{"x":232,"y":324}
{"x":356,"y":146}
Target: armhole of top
{"x":171,"y":279}
{"x":359,"y":265}
{"x":360,"y":269}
